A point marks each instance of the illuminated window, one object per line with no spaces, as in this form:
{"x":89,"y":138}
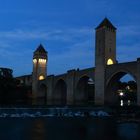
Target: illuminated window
{"x":109,"y":62}
{"x":42,"y":60}
{"x":41,"y":77}
{"x":34,"y":60}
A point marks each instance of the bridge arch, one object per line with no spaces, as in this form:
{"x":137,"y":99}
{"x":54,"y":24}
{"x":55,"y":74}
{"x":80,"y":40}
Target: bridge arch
{"x":84,"y":91}
{"x":112,"y":96}
{"x":120,"y":73}
{"x":60,"y":92}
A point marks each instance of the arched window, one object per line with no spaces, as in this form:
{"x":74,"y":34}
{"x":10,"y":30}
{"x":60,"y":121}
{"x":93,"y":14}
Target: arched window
{"x":41,"y":77}
{"x":109,"y":62}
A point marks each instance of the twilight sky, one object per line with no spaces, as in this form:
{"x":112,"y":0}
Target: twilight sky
{"x":66,"y":29}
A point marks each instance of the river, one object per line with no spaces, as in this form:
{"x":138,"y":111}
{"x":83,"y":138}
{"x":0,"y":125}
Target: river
{"x":62,"y":128}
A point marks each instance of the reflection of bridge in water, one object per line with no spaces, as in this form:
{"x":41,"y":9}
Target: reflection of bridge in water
{"x":97,"y":85}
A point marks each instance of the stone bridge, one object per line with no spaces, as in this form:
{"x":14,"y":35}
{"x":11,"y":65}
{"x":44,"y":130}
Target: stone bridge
{"x":77,"y":86}
{"x":69,"y":88}
{"x":88,"y":86}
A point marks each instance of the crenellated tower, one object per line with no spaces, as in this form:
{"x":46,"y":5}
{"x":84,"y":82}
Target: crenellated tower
{"x":40,"y":59}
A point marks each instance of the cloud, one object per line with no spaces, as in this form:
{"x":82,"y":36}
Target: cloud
{"x":128,"y":52}
{"x":56,"y":34}
{"x":79,"y":52}
{"x":128,"y":31}
{"x":67,"y":48}
{"x":80,"y":55}
{"x":18,"y":45}
{"x":128,"y":43}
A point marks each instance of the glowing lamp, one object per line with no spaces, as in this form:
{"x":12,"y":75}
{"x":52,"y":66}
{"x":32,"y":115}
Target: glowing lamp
{"x":121,"y":94}
{"x":121,"y":103}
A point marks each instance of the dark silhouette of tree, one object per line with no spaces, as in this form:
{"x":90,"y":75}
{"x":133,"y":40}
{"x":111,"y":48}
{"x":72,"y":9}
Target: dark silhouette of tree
{"x":11,"y":92}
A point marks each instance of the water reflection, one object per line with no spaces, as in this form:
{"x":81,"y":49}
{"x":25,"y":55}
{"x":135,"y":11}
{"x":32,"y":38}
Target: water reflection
{"x":67,"y":129}
{"x":128,"y":131}
{"x":37,"y":130}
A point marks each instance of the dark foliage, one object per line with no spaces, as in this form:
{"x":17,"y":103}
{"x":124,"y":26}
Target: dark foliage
{"x":10,"y":91}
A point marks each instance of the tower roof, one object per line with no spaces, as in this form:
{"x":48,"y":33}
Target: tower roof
{"x":41,"y":49}
{"x":106,"y":23}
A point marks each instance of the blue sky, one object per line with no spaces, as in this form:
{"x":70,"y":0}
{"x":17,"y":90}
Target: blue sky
{"x":66,"y":29}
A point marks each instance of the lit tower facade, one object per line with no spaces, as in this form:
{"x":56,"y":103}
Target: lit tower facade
{"x":105,"y":54}
{"x":40,"y":59}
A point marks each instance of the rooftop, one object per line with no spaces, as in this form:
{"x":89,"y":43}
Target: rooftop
{"x":40,"y":49}
{"x":106,"y":23}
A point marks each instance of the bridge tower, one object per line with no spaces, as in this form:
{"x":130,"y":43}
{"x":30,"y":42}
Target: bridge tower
{"x":40,"y":59}
{"x":105,"y":54}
